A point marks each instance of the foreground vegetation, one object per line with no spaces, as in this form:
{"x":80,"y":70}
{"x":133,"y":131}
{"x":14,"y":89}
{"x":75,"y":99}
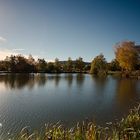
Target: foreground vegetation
{"x":127,"y":129}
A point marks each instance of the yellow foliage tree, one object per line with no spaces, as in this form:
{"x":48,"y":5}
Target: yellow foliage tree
{"x":126,"y":55}
{"x":98,"y":65}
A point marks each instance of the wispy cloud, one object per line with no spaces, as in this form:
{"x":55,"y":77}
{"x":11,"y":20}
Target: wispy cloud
{"x":2,"y":39}
{"x":18,"y":49}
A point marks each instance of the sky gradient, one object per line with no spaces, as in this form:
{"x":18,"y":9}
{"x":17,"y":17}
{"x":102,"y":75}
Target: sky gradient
{"x":67,"y":28}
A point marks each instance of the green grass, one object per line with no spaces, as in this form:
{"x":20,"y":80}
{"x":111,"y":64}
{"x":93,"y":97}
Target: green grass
{"x":127,"y":129}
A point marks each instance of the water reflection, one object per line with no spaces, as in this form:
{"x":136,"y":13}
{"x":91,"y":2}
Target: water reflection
{"x":69,"y":79}
{"x":57,"y":79}
{"x":14,"y":81}
{"x":57,"y":99}
{"x":19,"y":81}
{"x":125,"y":91}
{"x":80,"y":79}
{"x":40,"y":79}
{"x":100,"y":84}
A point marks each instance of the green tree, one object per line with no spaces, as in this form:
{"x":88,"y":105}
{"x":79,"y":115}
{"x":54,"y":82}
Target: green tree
{"x":22,"y":65}
{"x":69,"y":65}
{"x":114,"y":65}
{"x":98,"y":65}
{"x":31,"y":60}
{"x":79,"y":64}
{"x":50,"y":67}
{"x":7,"y":63}
{"x":12,"y":63}
{"x":32,"y":63}
{"x":126,"y":55}
{"x":3,"y":66}
{"x":87,"y":68}
{"x":57,"y":65}
{"x":41,"y":65}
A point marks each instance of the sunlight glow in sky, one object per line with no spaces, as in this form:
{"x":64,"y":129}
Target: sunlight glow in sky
{"x":67,"y":28}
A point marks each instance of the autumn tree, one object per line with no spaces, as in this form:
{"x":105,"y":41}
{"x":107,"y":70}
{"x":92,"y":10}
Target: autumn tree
{"x":98,"y":65}
{"x":126,"y":55}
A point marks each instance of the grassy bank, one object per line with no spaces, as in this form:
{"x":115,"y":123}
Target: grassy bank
{"x":127,"y":129}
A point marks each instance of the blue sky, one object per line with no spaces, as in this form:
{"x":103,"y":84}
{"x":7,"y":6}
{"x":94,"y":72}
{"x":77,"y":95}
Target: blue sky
{"x":63,"y":28}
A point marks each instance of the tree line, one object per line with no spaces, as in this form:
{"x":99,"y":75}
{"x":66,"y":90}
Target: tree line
{"x":127,"y":58}
{"x":21,"y":64}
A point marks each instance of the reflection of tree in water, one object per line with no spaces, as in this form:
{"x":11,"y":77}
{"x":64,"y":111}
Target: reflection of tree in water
{"x":57,"y":79}
{"x":125,"y":91}
{"x":19,"y":81}
{"x":100,"y":83}
{"x":14,"y":81}
{"x":69,"y":79}
{"x":80,"y":79}
{"x":31,"y":82}
{"x":8,"y":80}
{"x":41,"y":80}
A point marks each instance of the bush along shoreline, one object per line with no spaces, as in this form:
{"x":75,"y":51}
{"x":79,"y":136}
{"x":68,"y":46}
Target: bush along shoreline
{"x":126,"y":129}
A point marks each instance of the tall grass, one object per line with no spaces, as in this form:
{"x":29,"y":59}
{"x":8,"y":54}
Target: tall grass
{"x":127,"y":129}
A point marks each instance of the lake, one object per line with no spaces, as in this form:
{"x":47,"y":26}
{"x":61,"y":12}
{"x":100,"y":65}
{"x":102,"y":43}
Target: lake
{"x":35,"y":99}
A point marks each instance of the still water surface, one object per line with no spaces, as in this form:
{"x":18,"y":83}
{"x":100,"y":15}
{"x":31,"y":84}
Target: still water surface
{"x":33,"y":100}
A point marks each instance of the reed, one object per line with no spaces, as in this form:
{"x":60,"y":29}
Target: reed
{"x":127,"y":129}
